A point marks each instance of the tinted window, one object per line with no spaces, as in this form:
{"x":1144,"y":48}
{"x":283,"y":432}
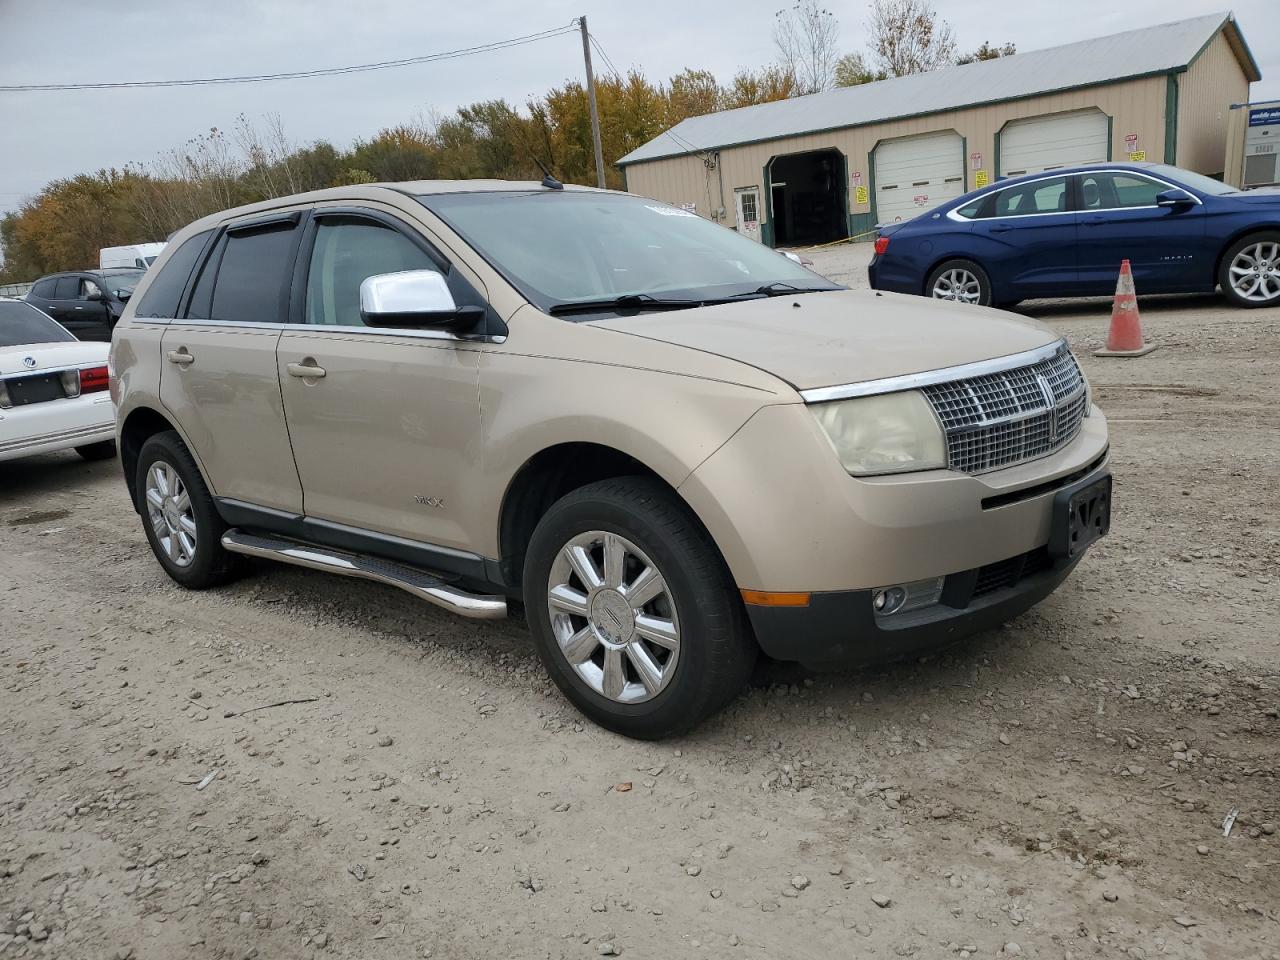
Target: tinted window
{"x":121,"y":281}
{"x":970,"y":210}
{"x":68,"y":288}
{"x":1028,"y":199}
{"x":165,"y":293}
{"x":21,"y":323}
{"x":345,"y":253}
{"x":89,"y":288}
{"x":44,"y":288}
{"x":1115,"y":191}
{"x":253,"y":276}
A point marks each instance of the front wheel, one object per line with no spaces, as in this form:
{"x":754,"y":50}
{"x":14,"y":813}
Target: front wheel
{"x":633,"y":611}
{"x":1250,"y":271}
{"x":960,"y":280}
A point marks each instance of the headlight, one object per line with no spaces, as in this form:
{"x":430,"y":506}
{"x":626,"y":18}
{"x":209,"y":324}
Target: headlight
{"x":888,"y":433}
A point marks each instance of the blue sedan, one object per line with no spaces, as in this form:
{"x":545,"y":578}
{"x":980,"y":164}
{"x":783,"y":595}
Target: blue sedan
{"x":1063,"y":233}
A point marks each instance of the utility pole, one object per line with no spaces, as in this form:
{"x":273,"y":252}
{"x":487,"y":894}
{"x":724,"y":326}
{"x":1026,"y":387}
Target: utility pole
{"x":591,"y":101}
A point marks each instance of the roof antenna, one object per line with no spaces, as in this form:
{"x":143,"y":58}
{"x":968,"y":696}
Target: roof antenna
{"x":548,"y":181}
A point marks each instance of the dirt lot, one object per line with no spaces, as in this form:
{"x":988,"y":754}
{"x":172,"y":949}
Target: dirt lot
{"x":1055,"y":789}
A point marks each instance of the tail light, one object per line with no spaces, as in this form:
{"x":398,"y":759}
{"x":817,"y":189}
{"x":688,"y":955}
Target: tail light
{"x":70,"y":382}
{"x":93,"y":379}
{"x":882,"y":244}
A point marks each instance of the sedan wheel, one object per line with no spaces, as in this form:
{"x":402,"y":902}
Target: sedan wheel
{"x":613,"y":617}
{"x":169,"y":511}
{"x":958,"y":284}
{"x":960,"y":281}
{"x":1255,"y":272}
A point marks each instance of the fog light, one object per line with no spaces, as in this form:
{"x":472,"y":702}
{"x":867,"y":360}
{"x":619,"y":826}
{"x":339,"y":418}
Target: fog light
{"x":906,"y":596}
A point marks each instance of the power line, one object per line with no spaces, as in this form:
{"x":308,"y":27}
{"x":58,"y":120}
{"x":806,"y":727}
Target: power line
{"x":297,"y":74}
{"x":605,"y":57}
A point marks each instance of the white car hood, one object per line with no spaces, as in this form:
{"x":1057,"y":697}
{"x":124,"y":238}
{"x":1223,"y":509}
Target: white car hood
{"x":34,"y":357}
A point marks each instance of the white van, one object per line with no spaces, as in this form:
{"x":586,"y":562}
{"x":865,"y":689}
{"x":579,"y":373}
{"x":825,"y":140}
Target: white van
{"x":133,"y":255}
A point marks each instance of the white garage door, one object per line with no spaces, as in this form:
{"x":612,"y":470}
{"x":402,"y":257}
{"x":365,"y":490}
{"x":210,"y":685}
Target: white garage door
{"x":917,"y":173}
{"x":1047,"y":143}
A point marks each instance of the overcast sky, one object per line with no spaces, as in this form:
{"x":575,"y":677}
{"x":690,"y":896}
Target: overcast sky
{"x":51,"y":135}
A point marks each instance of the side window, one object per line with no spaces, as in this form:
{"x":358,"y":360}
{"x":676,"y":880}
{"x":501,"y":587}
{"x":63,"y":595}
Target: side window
{"x":68,"y":288}
{"x":1117,"y":191}
{"x":345,"y":252}
{"x":253,"y":269}
{"x":88,"y":288}
{"x":971,"y":210}
{"x":1029,"y":199}
{"x":165,"y":291}
{"x":44,"y":289}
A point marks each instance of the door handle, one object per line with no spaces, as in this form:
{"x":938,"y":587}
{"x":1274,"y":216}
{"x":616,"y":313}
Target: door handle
{"x":1000,"y":227}
{"x":78,"y":307}
{"x":306,"y":370}
{"x":1094,"y":221}
{"x":180,"y":357}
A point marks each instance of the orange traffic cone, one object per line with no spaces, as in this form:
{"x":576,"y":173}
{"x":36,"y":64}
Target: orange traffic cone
{"x":1124,"y":339}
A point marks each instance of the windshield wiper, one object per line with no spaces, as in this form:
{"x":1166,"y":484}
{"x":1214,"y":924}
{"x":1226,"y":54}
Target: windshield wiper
{"x":630,"y":301}
{"x":780,"y":289}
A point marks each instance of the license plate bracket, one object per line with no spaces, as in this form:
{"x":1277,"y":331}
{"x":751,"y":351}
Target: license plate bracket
{"x":1081,"y":516}
{"x":39,"y":388}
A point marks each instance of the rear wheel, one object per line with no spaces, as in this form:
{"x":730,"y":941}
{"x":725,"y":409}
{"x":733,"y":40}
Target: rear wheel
{"x":633,"y":612}
{"x":102,"y":450}
{"x":1250,"y":271}
{"x":179,"y":517}
{"x":960,"y":280}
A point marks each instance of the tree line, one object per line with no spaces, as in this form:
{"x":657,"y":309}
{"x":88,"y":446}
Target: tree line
{"x":65,"y":225}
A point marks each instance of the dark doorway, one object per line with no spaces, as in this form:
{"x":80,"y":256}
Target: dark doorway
{"x":809,"y":198}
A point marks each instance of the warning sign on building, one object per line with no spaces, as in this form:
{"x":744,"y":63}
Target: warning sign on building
{"x":975,"y":161}
{"x":980,"y":179}
{"x":860,"y":195}
{"x":1131,"y":143}
{"x":921,"y":199}
{"x":856,"y":178}
{"x":1138,"y":156}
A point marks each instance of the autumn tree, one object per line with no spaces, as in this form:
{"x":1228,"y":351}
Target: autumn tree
{"x":907,"y":36}
{"x":988,"y":52}
{"x":806,"y":35}
{"x":852,"y":70}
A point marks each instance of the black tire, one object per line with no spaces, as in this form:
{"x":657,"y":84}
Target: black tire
{"x":209,"y":565}
{"x":947,"y":266}
{"x":1272,"y":263}
{"x":716,"y":647}
{"x":102,"y":450}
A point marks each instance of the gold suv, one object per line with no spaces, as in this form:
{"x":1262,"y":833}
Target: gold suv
{"x":672,"y":445}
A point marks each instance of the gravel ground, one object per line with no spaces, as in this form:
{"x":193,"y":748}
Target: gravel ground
{"x":1056,"y":788}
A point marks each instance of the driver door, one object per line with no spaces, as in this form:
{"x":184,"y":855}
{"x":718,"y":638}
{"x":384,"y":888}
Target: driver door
{"x":386,"y":437}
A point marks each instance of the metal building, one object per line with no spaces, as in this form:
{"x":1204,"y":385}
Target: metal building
{"x":834,"y":164}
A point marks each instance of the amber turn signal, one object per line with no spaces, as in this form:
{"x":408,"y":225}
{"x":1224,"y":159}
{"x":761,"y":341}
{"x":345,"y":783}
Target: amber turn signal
{"x":763,"y":598}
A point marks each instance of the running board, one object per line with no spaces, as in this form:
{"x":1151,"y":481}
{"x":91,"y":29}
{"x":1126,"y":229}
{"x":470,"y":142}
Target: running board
{"x":423,"y":585}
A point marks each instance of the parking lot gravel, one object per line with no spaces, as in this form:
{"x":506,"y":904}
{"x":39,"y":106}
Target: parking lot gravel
{"x":302,"y":766}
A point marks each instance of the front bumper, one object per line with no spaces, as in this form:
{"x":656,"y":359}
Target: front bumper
{"x":841,"y":629}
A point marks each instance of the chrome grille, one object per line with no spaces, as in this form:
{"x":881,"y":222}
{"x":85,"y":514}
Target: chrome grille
{"x":999,"y":419}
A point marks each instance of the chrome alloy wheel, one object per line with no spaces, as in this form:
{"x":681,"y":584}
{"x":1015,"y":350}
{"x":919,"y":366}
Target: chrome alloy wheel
{"x":169,"y":512}
{"x":957,"y":284}
{"x":1255,"y":271}
{"x":613,"y":617}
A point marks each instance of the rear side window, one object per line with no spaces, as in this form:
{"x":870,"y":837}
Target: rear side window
{"x":1116,"y":191}
{"x":44,"y":289}
{"x":21,"y":324}
{"x":1029,"y":199}
{"x":68,"y":288}
{"x":253,"y":273}
{"x":165,"y":292}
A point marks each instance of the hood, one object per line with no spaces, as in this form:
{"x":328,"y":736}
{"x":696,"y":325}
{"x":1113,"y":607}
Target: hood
{"x":846,"y":336}
{"x":1258,"y":195}
{"x":51,"y":356}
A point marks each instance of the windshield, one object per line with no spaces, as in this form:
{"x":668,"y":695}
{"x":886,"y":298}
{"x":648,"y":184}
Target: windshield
{"x":121,"y":281}
{"x":1196,"y":181}
{"x":21,"y":323}
{"x":564,"y":247}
